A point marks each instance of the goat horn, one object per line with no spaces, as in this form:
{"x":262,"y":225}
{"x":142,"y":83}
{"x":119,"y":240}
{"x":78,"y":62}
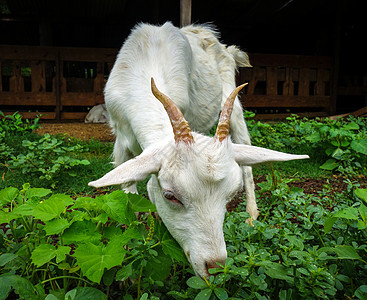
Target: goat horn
{"x":180,"y":126}
{"x":224,"y":119}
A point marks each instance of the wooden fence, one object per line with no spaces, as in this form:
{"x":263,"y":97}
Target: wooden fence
{"x":283,"y":84}
{"x":59,"y":83}
{"x":63,"y":83}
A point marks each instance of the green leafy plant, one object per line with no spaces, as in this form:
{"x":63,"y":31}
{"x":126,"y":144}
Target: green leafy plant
{"x":60,"y":242}
{"x":16,"y":124}
{"x":47,"y":158}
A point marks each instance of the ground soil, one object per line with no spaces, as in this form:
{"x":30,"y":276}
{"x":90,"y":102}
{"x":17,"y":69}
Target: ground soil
{"x":102,"y":132}
{"x":84,"y":131}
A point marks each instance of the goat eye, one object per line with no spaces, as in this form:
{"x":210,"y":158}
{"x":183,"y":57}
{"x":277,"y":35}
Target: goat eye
{"x":171,"y":197}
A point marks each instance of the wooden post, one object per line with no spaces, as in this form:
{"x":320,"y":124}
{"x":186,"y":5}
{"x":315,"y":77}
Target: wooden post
{"x":337,"y":49}
{"x":58,"y":86}
{"x":185,"y":12}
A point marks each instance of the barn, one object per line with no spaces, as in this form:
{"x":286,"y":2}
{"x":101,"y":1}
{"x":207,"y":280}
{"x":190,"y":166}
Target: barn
{"x":307,"y":55}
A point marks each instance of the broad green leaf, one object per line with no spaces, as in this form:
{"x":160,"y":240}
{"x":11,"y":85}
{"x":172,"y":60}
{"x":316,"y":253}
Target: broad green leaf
{"x":130,"y":234}
{"x":169,"y":245}
{"x":56,"y":226}
{"x":43,"y":254}
{"x":6,"y":217}
{"x":52,"y":207}
{"x":196,"y":283}
{"x":53,"y":297}
{"x":329,"y":224}
{"x":125,"y":272}
{"x":8,"y":194}
{"x":363,"y":212}
{"x":158,"y":268}
{"x":109,"y":276}
{"x":6,"y":257}
{"x":144,"y":296}
{"x":37,"y":192}
{"x":361,"y":292}
{"x":350,"y":213}
{"x":278,"y":271}
{"x":115,"y":206}
{"x":94,"y":259}
{"x":140,"y":203}
{"x":27,"y":208}
{"x":85,"y":293}
{"x":346,"y":252}
{"x":89,"y":204}
{"x":80,"y":232}
{"x":330,"y":164}
{"x":337,"y":153}
{"x":351,"y":126}
{"x":359,"y":146}
{"x":61,"y":253}
{"x":204,"y":295}
{"x":20,"y":285}
{"x":314,"y":137}
{"x":362,"y":193}
{"x":221,"y":293}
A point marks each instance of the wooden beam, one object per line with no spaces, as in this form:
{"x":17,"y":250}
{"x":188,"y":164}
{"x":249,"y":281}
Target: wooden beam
{"x":185,"y":12}
{"x":284,"y":101}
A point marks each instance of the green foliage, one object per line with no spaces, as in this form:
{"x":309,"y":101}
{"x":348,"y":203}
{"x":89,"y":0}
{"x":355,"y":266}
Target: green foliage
{"x":35,"y":156}
{"x":14,"y":124}
{"x":46,"y":158}
{"x":57,"y":245}
{"x":341,"y":144}
{"x":62,"y":242}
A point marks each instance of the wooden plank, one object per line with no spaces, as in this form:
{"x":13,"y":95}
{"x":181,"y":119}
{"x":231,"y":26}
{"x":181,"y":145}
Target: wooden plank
{"x":288,"y":85}
{"x":50,"y":53}
{"x":38,"y":76}
{"x":304,"y":82}
{"x":88,"y":54}
{"x":99,"y":80}
{"x":16,"y":82}
{"x":299,"y":61}
{"x":81,"y":99}
{"x":320,"y":82}
{"x":271,"y":81}
{"x":27,"y":99}
{"x":1,"y":77}
{"x":73,"y":115}
{"x":34,"y":114}
{"x":284,"y":101}
{"x":185,"y":12}
{"x":286,"y":115}
{"x":27,"y":53}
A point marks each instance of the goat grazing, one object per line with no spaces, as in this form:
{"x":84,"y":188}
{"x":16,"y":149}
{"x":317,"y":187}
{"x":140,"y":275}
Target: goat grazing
{"x":193,"y":176}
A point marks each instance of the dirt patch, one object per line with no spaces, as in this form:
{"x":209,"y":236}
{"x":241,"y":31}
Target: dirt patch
{"x":100,"y":132}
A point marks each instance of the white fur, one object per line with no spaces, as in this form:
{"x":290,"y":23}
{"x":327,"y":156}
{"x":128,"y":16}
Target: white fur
{"x":98,"y":114}
{"x":197,"y":73}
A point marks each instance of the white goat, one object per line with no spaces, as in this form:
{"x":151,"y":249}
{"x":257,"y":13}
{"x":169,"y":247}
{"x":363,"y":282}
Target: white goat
{"x":98,"y":114}
{"x":193,"y":176}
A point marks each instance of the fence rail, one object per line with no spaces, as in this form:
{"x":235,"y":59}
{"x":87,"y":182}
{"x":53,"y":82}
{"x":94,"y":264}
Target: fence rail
{"x":62,"y":83}
{"x":284,"y":84}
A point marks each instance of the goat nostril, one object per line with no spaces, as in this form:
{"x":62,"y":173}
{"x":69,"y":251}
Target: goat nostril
{"x":211,"y":265}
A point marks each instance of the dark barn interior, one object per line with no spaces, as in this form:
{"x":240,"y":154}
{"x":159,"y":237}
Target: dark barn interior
{"x":307,"y":54}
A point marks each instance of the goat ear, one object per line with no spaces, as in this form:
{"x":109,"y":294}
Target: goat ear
{"x":133,"y":170}
{"x":247,"y":155}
